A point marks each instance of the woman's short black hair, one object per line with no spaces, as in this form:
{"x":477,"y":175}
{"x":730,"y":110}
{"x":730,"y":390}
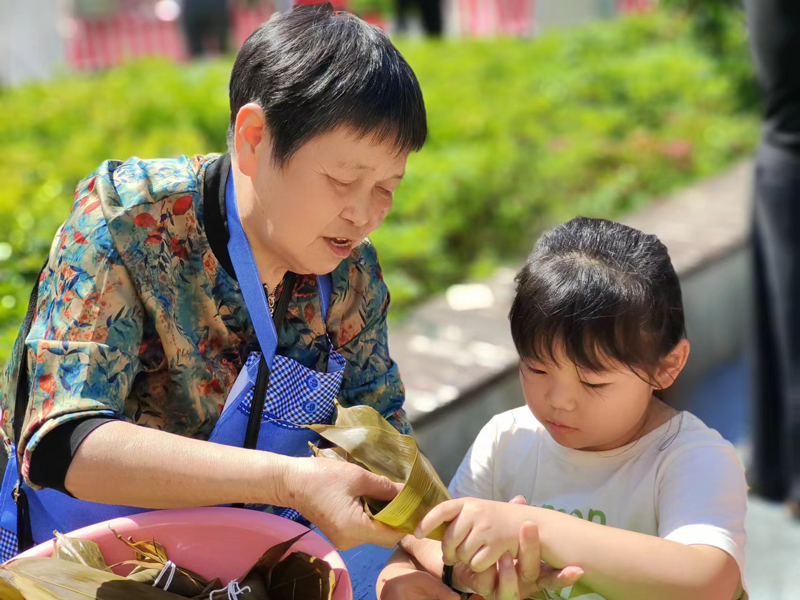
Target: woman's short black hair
{"x":315,"y":69}
{"x":599,"y":292}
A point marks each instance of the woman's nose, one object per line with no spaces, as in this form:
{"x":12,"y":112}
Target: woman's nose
{"x":358,"y":211}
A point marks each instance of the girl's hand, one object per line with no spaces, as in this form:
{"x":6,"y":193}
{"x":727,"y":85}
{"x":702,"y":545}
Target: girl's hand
{"x":531,"y":574}
{"x":403,"y":581}
{"x":530,"y":577}
{"x":480,"y":531}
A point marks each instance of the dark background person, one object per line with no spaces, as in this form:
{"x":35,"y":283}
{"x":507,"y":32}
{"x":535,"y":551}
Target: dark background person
{"x":204,"y":21}
{"x":774,"y":27}
{"x":430,"y":10}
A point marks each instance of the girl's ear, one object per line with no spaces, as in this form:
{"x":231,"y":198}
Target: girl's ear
{"x":672,"y":365}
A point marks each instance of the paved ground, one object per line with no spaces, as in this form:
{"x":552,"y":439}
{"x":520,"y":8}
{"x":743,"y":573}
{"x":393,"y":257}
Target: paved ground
{"x":773,"y":552}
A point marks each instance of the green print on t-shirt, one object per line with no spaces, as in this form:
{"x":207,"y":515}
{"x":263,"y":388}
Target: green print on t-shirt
{"x":594,"y":516}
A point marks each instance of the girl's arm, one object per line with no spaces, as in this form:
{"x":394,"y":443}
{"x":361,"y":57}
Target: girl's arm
{"x":618,"y":564}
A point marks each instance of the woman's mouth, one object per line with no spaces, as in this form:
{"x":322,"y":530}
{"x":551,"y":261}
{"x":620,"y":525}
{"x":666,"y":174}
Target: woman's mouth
{"x":341,"y":247}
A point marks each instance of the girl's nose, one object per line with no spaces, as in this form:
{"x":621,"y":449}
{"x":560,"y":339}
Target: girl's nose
{"x":560,"y":399}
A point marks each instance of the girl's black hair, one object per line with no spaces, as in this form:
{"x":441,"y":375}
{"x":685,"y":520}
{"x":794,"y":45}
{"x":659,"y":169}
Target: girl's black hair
{"x":599,"y":292}
{"x":315,"y":69}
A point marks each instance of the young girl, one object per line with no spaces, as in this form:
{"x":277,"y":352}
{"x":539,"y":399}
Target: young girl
{"x":643,"y":501}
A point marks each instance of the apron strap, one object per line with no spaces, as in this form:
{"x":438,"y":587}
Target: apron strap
{"x":24,"y":530}
{"x":244,"y":265}
{"x":262,"y":379}
{"x":266,"y":328}
{"x":324,"y":286}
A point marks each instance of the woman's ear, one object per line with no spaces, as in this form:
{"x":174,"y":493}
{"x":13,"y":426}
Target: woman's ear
{"x":672,"y":365}
{"x":250,"y":134}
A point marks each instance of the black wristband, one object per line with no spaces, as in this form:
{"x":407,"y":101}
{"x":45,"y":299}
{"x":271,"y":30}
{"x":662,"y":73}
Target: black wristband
{"x":447,"y":579}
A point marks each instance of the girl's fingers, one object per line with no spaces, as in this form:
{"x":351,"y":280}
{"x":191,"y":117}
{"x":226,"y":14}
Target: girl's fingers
{"x":484,"y":558}
{"x":472,"y":545}
{"x":518,"y":500}
{"x":442,"y":513}
{"x":453,"y":538}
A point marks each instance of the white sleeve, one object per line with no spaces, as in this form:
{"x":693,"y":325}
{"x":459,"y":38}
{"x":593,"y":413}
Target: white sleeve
{"x":475,"y":476}
{"x":702,"y":498}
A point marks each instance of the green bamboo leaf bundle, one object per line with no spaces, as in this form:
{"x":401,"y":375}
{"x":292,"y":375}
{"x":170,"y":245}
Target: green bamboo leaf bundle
{"x":54,"y":578}
{"x":69,"y":576}
{"x":370,"y":441}
{"x":83,"y":552}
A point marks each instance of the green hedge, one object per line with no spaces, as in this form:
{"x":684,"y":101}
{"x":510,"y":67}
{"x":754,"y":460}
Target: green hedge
{"x":524,"y":133}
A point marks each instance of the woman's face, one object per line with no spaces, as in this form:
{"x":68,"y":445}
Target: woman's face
{"x":307,"y":216}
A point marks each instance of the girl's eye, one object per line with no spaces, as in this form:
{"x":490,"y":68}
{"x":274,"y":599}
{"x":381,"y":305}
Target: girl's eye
{"x":530,"y":369}
{"x":594,"y":386}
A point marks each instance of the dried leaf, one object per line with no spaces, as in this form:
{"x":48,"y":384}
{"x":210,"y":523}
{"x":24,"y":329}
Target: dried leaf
{"x":332,"y":453}
{"x":83,"y":552}
{"x":152,"y":556}
{"x":8,"y":591}
{"x":370,"y":440}
{"x":150,"y":551}
{"x":184,"y":582}
{"x":214,"y":585}
{"x":271,"y":557}
{"x":300,"y":575}
{"x":52,"y":578}
{"x":258,"y":577}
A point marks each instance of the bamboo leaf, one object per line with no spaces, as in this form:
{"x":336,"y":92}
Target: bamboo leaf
{"x":258,"y":577}
{"x":84,"y":552}
{"x":151,"y":551}
{"x":8,"y":591}
{"x":371,"y":441}
{"x":52,"y":578}
{"x":301,"y":576}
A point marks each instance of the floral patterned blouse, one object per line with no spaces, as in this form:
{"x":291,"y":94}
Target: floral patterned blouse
{"x":140,"y":316}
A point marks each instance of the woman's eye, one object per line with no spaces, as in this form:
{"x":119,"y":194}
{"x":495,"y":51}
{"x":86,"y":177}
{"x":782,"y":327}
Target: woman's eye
{"x":340,"y":184}
{"x":385,"y":193}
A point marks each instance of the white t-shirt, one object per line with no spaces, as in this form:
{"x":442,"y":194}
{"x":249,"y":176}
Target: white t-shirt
{"x":682,"y":481}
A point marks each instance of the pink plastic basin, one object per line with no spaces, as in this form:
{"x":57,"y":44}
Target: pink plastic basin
{"x":213,"y":542}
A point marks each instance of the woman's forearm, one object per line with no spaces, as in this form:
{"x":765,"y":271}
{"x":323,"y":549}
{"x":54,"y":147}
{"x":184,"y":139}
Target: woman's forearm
{"x":122,"y":463}
{"x":625,"y":565}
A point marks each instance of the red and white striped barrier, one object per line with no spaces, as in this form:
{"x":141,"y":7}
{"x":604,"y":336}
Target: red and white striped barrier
{"x":99,"y":43}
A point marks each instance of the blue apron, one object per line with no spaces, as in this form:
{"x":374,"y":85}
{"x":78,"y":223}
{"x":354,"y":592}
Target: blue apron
{"x":296,"y":395}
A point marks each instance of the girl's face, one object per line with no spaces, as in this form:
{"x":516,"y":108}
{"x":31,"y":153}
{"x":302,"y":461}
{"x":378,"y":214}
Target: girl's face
{"x":591,"y":410}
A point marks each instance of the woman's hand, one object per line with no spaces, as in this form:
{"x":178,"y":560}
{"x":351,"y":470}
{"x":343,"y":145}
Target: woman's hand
{"x":328,"y":493}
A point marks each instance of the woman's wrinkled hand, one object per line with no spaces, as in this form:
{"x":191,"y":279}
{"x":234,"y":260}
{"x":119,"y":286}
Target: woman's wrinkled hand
{"x":329,"y":494}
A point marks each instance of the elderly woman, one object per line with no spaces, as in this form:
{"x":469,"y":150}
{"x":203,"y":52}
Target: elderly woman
{"x":194,"y":313}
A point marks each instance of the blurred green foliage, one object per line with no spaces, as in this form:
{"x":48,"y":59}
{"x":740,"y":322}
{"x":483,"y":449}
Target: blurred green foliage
{"x":384,"y":8}
{"x":524,"y":133}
